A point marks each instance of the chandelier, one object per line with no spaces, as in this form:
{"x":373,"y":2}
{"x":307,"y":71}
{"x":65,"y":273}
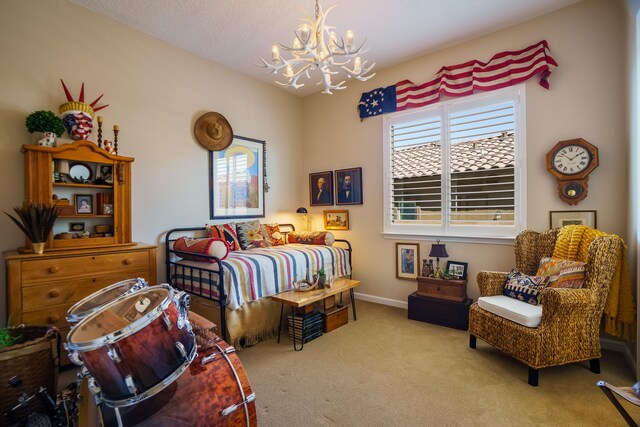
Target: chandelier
{"x":316,"y":46}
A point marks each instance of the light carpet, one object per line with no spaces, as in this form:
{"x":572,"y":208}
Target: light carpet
{"x":386,"y":370}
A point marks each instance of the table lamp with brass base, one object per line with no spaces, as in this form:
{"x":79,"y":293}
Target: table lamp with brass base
{"x":438,"y":251}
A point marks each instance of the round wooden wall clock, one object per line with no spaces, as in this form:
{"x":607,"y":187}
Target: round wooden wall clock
{"x":571,"y":162}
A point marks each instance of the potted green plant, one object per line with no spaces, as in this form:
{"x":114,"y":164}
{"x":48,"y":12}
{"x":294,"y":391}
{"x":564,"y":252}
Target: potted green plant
{"x":36,"y":222}
{"x":321,"y":276}
{"x":45,"y":126}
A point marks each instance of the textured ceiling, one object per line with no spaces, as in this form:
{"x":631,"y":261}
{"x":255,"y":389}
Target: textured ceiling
{"x":236,"y":33}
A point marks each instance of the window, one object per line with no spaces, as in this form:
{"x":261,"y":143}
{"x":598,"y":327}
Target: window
{"x":456,"y":168}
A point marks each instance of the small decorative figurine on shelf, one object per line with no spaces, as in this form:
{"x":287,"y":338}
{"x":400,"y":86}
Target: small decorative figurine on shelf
{"x":99,"y":120}
{"x":108,"y":146}
{"x":78,"y":116}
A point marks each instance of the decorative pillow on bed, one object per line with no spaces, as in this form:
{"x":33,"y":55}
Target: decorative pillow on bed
{"x":312,"y":237}
{"x":564,"y":273}
{"x":209,"y":247}
{"x":272,"y":235}
{"x":248,"y":232}
{"x":524,"y":288}
{"x":226,"y":232}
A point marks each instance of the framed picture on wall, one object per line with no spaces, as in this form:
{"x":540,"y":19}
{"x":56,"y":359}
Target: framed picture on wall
{"x":321,"y":188}
{"x":349,"y":186}
{"x":336,"y":220}
{"x":236,"y":180}
{"x":407,"y":260}
{"x":559,"y":219}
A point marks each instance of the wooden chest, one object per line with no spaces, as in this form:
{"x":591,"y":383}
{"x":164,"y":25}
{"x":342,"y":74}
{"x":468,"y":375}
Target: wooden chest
{"x":335,"y":318}
{"x":42,"y":287}
{"x":453,"y":290}
{"x":452,"y":314}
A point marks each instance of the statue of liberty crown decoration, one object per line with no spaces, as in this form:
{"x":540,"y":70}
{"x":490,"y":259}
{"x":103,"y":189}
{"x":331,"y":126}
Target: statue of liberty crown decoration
{"x":78,"y":116}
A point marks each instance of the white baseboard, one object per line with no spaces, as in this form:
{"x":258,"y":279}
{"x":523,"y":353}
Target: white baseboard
{"x":606,"y":343}
{"x":620,"y":346}
{"x":381,"y":300}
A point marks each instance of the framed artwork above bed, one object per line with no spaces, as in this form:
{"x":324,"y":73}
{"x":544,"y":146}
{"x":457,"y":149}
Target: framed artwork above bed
{"x":236,"y":180}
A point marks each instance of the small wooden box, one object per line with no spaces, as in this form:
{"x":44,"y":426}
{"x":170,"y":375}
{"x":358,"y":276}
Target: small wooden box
{"x":452,"y":290}
{"x":336,"y":318}
{"x":440,"y":312}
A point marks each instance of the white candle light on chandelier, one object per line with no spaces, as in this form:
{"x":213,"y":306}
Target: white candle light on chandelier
{"x":289,"y":72}
{"x":275,"y":54}
{"x":304,"y":33}
{"x":357,"y":65}
{"x":349,"y":39}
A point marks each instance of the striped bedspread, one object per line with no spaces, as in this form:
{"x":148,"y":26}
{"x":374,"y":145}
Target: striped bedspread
{"x":260,"y":272}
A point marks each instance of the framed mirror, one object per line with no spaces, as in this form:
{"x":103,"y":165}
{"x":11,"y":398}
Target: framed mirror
{"x":80,"y":173}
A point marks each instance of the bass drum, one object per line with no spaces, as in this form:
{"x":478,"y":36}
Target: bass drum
{"x":214,"y":391}
{"x":94,"y":302}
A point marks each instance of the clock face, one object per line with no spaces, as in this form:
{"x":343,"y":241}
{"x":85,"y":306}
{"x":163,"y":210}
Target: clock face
{"x":571,"y":159}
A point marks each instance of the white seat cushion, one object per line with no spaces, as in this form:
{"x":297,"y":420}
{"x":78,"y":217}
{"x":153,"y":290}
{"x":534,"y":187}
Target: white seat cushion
{"x":510,"y":308}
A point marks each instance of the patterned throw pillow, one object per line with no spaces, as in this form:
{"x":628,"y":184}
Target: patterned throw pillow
{"x":524,"y":288}
{"x":248,"y":232}
{"x":226,"y":232}
{"x":272,"y":235}
{"x":210,"y":247}
{"x":563,"y":273}
{"x":312,"y":237}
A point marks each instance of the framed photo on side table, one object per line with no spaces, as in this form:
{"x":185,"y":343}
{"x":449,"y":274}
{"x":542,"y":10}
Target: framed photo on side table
{"x":336,"y":220}
{"x":559,"y":219}
{"x":321,"y":188}
{"x":457,"y":269}
{"x":407,"y":260}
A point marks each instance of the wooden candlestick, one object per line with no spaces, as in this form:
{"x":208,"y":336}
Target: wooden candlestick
{"x":116,"y":129}
{"x":99,"y":131}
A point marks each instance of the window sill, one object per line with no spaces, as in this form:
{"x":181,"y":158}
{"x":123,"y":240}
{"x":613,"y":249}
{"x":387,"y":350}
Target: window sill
{"x":452,"y":239}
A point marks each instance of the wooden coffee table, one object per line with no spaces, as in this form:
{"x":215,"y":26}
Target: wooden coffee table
{"x":296,"y":299}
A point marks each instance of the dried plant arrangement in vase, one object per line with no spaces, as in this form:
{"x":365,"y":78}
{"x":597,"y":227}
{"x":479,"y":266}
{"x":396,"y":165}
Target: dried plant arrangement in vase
{"x":36,"y":221}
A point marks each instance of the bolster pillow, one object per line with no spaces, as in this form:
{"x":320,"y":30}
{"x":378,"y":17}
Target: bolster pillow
{"x":209,"y":247}
{"x":311,"y":237}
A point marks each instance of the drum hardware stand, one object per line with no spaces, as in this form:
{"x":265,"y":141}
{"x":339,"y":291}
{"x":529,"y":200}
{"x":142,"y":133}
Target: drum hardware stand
{"x":245,"y":399}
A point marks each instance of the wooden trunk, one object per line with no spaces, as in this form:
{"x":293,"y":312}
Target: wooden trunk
{"x":336,"y":318}
{"x":452,"y":290}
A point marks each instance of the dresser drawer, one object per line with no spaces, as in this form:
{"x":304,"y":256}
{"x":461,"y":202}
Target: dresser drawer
{"x":70,"y":291}
{"x":54,"y":316}
{"x":82,"y":266}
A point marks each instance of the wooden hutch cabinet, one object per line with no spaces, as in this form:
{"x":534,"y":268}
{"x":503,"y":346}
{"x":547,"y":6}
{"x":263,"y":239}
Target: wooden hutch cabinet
{"x":89,"y":248}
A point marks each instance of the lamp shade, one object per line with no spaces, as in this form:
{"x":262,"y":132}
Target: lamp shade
{"x":62,"y":166}
{"x":438,"y":250}
{"x":301,"y":210}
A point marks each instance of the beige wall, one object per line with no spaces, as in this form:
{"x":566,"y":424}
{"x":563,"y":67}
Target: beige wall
{"x":587,"y":100}
{"x":155,"y":92}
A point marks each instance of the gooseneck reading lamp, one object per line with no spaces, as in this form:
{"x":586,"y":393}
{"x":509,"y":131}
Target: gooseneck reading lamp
{"x":305,"y":217}
{"x":438,"y":251}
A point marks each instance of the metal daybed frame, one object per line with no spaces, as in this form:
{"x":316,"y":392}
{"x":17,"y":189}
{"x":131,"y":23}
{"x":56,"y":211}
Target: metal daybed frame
{"x":200,"y":273}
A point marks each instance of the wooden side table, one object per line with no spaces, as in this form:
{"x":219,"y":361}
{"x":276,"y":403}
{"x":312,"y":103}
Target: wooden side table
{"x":452,"y":314}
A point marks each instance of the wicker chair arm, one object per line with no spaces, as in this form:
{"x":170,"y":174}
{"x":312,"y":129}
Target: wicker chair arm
{"x":491,"y":282}
{"x":566,"y":302}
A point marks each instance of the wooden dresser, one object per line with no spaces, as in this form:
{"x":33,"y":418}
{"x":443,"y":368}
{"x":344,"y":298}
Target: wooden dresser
{"x":41,"y":288}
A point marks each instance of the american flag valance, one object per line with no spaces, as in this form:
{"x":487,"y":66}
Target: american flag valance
{"x":503,"y":69}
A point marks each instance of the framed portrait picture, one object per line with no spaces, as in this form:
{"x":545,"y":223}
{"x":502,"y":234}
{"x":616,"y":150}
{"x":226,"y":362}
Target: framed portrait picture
{"x":321,"y":188}
{"x":107,"y":209}
{"x":84,"y":204}
{"x":336,"y":220}
{"x":349,"y":186}
{"x":559,"y":219}
{"x":236,"y":180}
{"x":457,"y":269}
{"x":407,"y":260}
{"x":105,"y":173}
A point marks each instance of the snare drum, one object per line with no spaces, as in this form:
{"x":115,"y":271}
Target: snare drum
{"x":134,"y":346}
{"x":96,"y":300}
{"x":214,"y":391}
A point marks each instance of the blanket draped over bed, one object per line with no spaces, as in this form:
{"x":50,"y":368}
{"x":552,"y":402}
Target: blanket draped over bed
{"x":256,"y":274}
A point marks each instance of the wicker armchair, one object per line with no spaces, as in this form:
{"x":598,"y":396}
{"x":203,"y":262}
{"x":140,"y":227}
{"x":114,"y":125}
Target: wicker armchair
{"x":570,"y":326}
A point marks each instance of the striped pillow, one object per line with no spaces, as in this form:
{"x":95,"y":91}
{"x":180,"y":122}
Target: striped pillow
{"x":563,"y":273}
{"x":227,"y":232}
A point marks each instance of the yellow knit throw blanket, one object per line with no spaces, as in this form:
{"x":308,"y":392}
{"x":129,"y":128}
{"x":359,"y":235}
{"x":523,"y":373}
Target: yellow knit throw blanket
{"x":619,"y":311}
